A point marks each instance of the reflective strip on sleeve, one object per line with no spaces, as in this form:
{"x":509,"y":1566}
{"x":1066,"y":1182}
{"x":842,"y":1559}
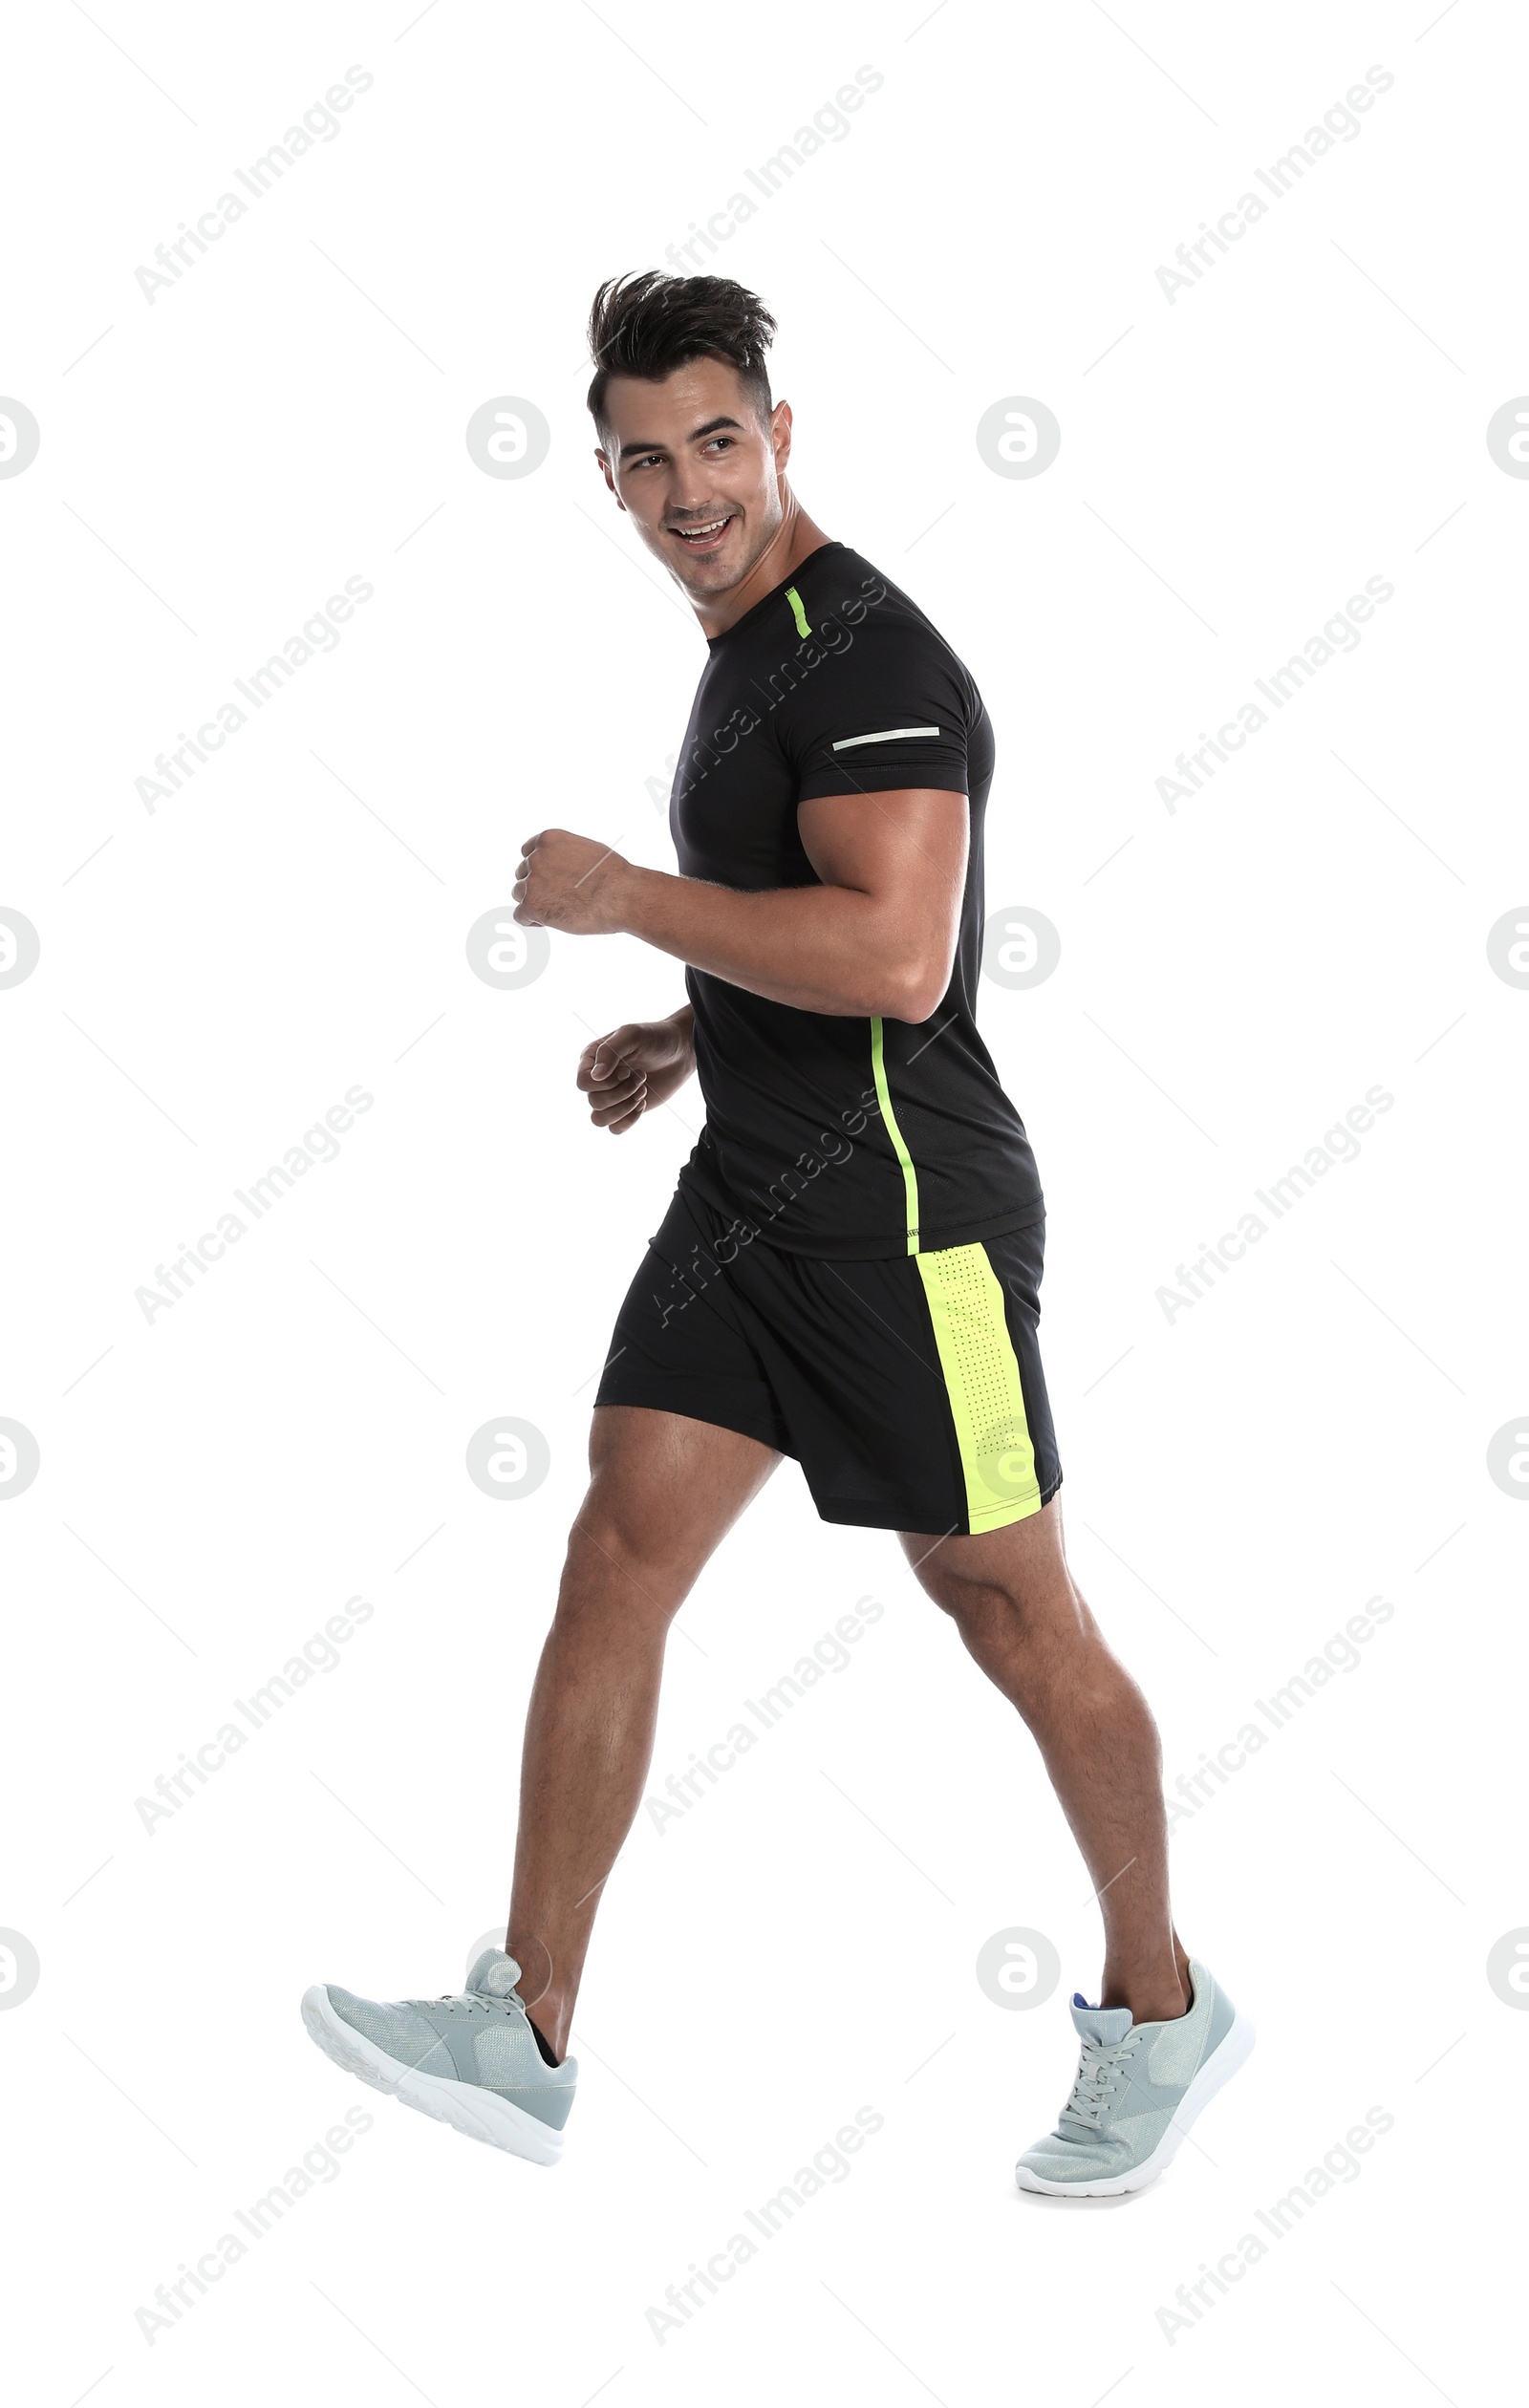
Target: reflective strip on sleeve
{"x":882,"y":736}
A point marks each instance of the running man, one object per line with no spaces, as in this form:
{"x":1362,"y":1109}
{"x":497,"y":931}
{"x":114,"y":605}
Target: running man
{"x":848,"y":1271}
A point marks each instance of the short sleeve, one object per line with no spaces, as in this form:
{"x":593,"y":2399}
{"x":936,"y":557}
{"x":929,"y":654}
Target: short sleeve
{"x":888,"y":709}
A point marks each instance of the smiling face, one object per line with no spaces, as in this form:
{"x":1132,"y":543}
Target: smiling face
{"x":703,"y":480}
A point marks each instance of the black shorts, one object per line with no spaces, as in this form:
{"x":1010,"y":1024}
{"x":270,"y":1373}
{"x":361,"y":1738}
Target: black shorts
{"x":909,"y":1390}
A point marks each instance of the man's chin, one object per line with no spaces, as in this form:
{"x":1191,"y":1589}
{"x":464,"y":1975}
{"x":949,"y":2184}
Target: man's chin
{"x":708,"y":578}
{"x":708,"y":573}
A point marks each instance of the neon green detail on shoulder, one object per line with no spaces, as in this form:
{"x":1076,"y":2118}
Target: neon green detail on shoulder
{"x":797,"y":613}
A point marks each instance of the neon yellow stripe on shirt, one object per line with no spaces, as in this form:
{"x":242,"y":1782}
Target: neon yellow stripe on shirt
{"x":910,"y":1176}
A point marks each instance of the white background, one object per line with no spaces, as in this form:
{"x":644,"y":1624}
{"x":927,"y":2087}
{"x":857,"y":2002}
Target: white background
{"x":1239,"y":1479}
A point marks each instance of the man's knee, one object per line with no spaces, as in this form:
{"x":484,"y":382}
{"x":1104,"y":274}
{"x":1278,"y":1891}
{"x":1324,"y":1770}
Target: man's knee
{"x":1034,"y":1611}
{"x":621,"y":1557}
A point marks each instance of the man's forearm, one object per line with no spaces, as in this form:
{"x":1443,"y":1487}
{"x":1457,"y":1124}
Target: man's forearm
{"x":821,"y":949}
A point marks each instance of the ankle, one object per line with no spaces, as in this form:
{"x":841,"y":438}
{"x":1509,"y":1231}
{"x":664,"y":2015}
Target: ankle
{"x":1160,"y":1998}
{"x":551,"y":2047}
{"x":550,"y":2017}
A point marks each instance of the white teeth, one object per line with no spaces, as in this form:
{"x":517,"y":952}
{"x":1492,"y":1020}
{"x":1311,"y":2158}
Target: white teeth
{"x":690,"y":532}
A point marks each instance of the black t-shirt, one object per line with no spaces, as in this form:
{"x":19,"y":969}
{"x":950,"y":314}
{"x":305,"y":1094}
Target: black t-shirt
{"x":828,"y":1134}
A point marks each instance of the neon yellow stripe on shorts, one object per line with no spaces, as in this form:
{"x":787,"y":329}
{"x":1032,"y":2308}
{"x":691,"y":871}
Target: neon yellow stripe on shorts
{"x":982,"y":1382}
{"x":910,"y":1176}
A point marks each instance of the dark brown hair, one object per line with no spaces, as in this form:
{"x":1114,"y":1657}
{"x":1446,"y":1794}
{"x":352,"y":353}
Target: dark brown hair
{"x":648,"y":324}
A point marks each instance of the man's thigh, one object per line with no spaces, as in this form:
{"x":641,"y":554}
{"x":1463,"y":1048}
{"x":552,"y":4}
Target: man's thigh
{"x":664,"y":1489}
{"x":1024,"y":1563}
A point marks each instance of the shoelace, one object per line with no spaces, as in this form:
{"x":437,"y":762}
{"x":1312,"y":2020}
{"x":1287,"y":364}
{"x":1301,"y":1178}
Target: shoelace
{"x":1099,"y":2070}
{"x":467,"y":1999}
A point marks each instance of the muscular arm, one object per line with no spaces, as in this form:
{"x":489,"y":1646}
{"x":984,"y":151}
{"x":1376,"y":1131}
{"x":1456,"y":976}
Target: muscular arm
{"x":877,"y":937}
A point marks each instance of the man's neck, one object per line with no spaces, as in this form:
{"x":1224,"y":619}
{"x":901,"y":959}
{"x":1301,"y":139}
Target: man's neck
{"x":796,"y":536}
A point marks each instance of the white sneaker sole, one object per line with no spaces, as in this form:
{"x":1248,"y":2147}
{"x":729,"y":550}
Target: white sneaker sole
{"x":1216,"y":2071}
{"x":479,"y":2115}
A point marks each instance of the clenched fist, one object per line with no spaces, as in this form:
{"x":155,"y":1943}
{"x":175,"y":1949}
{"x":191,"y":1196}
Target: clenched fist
{"x":640,"y":1063}
{"x":569,"y":882}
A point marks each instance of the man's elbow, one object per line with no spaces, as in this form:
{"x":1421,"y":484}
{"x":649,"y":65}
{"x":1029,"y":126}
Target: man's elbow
{"x":916,"y":989}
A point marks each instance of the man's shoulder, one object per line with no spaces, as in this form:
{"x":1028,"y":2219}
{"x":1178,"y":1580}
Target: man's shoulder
{"x":851,"y":588}
{"x":858,"y":614}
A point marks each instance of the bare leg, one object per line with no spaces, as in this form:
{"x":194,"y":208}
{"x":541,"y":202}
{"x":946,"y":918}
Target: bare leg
{"x":1020,"y":1615}
{"x":664,"y":1491}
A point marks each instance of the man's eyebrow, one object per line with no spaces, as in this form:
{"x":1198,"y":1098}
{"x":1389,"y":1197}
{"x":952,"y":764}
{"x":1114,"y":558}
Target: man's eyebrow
{"x":712,"y":426}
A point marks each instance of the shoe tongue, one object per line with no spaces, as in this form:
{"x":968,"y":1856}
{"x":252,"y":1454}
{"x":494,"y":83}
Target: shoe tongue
{"x":496,"y":1975}
{"x":1105,"y":2024}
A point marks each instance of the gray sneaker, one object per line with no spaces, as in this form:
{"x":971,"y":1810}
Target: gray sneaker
{"x":1139,"y":2088}
{"x":471,"y":2061}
